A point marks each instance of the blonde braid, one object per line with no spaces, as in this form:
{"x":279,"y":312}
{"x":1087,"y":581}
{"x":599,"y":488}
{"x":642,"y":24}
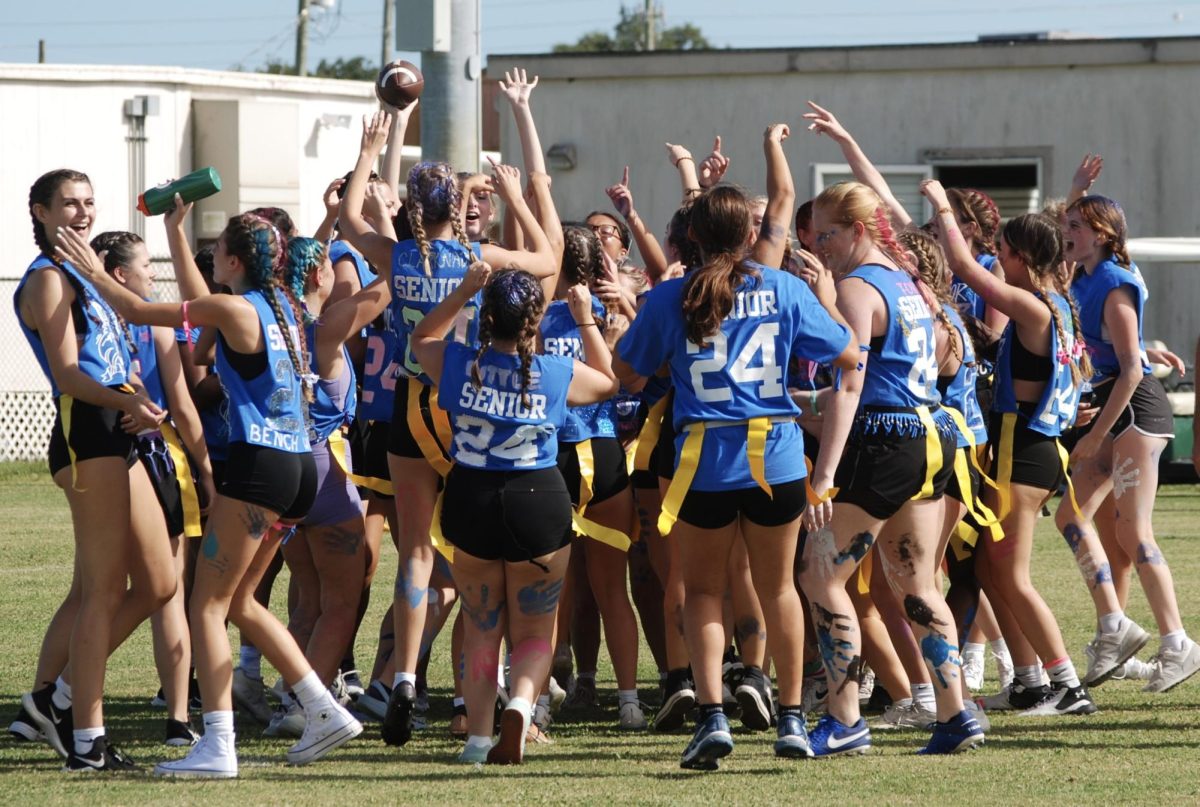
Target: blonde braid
{"x":456,"y":223}
{"x":1085,"y":359}
{"x":417,"y":222}
{"x":485,"y":341}
{"x":931,"y":269}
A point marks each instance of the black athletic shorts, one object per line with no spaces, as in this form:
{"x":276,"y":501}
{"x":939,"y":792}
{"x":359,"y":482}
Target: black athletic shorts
{"x":610,"y":474}
{"x":374,"y":454}
{"x":401,"y":440}
{"x":952,"y":488}
{"x":280,"y":481}
{"x":1033,"y":456}
{"x":218,"y":468}
{"x":156,"y":458}
{"x":94,"y":432}
{"x":713,"y":509}
{"x":516,"y":516}
{"x":880,"y":472}
{"x":1148,"y":409}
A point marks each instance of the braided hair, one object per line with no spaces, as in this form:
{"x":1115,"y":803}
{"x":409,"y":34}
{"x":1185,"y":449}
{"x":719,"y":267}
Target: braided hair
{"x":976,"y":207}
{"x":1107,"y":218}
{"x":434,"y":197}
{"x":583,"y":258}
{"x":1037,"y":241}
{"x":262,"y":250}
{"x":303,"y":255}
{"x":119,"y":249}
{"x":512,"y":309}
{"x":934,"y":271}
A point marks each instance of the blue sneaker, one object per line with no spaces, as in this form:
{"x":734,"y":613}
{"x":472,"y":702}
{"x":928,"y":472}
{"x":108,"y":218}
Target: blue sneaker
{"x":960,"y":733}
{"x":793,"y":738}
{"x":831,"y":738}
{"x":711,"y":742}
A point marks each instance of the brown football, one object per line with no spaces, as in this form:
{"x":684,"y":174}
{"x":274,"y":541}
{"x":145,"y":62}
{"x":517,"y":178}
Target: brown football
{"x":399,"y":83}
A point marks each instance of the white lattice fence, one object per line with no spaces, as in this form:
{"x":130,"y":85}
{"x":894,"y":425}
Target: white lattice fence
{"x":25,"y":422}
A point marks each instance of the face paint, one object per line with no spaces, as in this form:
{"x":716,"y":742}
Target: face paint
{"x":406,"y":587}
{"x":483,"y":664}
{"x":540,"y":597}
{"x":938,"y":652}
{"x":837,"y":653}
{"x":531,"y":648}
{"x":1150,"y":555}
{"x":1125,"y":478}
{"x":1072,"y":534}
{"x":857,"y":550}
{"x":748,"y":628}
{"x":821,"y":552}
{"x":482,"y":616}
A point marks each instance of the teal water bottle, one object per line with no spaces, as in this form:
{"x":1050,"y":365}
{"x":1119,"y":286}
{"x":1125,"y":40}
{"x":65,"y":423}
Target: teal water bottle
{"x":196,"y":185}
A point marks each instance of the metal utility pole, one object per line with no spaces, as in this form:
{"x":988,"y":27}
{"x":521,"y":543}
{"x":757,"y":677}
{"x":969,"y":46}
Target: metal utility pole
{"x":450,"y":114}
{"x":41,"y":51}
{"x":650,"y":14}
{"x":389,"y":10}
{"x":302,"y":39}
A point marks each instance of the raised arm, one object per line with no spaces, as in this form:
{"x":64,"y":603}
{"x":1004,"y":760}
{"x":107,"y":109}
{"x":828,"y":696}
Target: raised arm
{"x":1018,"y":304}
{"x":187,"y":274}
{"x":681,"y":161}
{"x":647,"y":244}
{"x":1085,"y":176}
{"x":375,"y":248}
{"x":429,"y":337}
{"x":346,"y":318}
{"x":517,"y":89}
{"x":714,"y":166}
{"x":331,"y":202}
{"x":771,"y":245}
{"x":547,"y":213}
{"x":539,"y":259}
{"x":594,"y":380}
{"x":394,"y":155}
{"x":823,"y":122}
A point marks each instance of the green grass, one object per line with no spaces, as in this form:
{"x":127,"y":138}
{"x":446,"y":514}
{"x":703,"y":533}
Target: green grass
{"x":1139,"y":747}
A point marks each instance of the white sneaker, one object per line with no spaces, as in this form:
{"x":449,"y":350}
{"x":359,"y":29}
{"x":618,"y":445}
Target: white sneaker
{"x":287,"y":722}
{"x":326,"y":729}
{"x":999,"y":702}
{"x":972,"y":670}
{"x":1109,"y":651}
{"x":866,"y":686}
{"x":1004,"y":668}
{"x":631,"y":717}
{"x":211,"y":758}
{"x":1134,"y":670}
{"x":813,"y":693}
{"x":1172,"y":667}
{"x":557,"y":696}
{"x":905,"y":714}
{"x":977,"y":712}
{"x":338,"y":690}
{"x":250,"y":696}
{"x":353,"y":682}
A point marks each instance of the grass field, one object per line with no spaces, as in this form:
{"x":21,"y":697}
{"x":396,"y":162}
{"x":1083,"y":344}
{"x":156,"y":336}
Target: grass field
{"x":1137,"y":748}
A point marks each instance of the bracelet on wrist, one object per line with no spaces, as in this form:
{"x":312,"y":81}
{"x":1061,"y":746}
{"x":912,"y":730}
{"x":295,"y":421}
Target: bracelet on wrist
{"x":681,"y":159}
{"x":944,"y":210}
{"x":585,"y":324}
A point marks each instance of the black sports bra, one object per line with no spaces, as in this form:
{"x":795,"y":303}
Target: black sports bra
{"x":1026,"y":365}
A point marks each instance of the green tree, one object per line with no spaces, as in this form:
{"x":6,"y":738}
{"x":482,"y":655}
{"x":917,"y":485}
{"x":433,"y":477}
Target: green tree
{"x":356,"y":69}
{"x":629,"y":34}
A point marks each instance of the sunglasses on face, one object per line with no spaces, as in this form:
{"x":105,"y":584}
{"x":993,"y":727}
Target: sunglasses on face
{"x":604,"y":230}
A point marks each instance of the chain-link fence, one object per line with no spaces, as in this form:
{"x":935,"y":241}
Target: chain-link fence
{"x":26,"y":406}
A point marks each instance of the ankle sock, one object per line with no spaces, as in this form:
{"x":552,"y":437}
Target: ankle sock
{"x":458,"y":701}
{"x":475,"y":741}
{"x":85,"y":737}
{"x":62,"y":694}
{"x":922,"y":695}
{"x":627,"y":696}
{"x":520,"y":705}
{"x":219,"y":724}
{"x":311,"y":693}
{"x":707,"y":710}
{"x":1062,"y":673}
{"x":401,"y":677}
{"x":999,"y":647}
{"x":972,"y":649}
{"x":1175,"y":641}
{"x":1030,"y":676}
{"x":1111,"y":623}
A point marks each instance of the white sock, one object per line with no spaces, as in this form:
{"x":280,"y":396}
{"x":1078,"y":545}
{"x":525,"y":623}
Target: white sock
{"x":218,"y":724}
{"x":62,"y":694}
{"x":85,"y":737}
{"x":1111,"y":623}
{"x":1175,"y":641}
{"x":972,"y":649}
{"x":1063,"y":674}
{"x":521,"y":705}
{"x":626,"y":696}
{"x":250,"y":660}
{"x":1030,"y":677}
{"x":475,"y":741}
{"x":923,"y":696}
{"x":459,"y":702}
{"x":999,"y":647}
{"x":400,"y":678}
{"x":311,"y":693}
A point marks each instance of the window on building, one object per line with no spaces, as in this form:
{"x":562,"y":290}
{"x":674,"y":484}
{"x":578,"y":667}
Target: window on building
{"x":1014,"y":183}
{"x":904,"y":180}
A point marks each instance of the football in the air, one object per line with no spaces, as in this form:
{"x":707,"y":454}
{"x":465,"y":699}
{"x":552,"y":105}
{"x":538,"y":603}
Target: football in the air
{"x":399,"y":83}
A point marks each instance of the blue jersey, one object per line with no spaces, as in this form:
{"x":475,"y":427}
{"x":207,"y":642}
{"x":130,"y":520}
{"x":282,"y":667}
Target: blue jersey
{"x":333,"y":401}
{"x":1090,"y":291}
{"x":380,"y":371}
{"x":560,"y":337}
{"x":965,"y":297}
{"x":1055,"y":409}
{"x":341,"y":249}
{"x":415,"y":294}
{"x":267,"y":410}
{"x":145,"y":363}
{"x":495,"y":428}
{"x":902,"y":370}
{"x":103,"y":354}
{"x":739,"y":375}
{"x":960,"y":393}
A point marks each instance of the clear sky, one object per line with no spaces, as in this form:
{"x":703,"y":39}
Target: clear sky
{"x":220,"y":34}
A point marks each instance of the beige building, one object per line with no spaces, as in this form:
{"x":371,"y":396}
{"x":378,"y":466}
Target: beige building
{"x":1013,"y":118}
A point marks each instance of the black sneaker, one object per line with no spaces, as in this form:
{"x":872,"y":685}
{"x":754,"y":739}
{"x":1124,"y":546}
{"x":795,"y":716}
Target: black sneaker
{"x":194,"y":702}
{"x":180,"y":734}
{"x":879,"y":701}
{"x":57,"y":725}
{"x":1021,"y":697}
{"x":679,"y":696}
{"x":1063,"y":701}
{"x":753,"y":695}
{"x":397,"y":723}
{"x":101,"y":757}
{"x":23,"y":728}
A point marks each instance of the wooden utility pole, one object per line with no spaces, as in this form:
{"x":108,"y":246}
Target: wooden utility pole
{"x":651,"y":36}
{"x":302,"y":39}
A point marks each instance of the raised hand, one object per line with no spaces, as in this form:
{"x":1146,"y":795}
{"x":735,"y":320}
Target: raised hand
{"x":777,"y":133}
{"x":714,"y":166}
{"x":932,"y":190}
{"x":70,"y":246}
{"x":376,"y":129}
{"x":376,"y":204}
{"x":579,"y":300}
{"x":621,"y":196}
{"x":178,"y":214}
{"x":507,"y":180}
{"x":330,"y":199}
{"x":517,"y":88}
{"x":478,"y":275}
{"x":1087,"y":173}
{"x":819,"y":278}
{"x":822,"y":121}
{"x":676,"y":153}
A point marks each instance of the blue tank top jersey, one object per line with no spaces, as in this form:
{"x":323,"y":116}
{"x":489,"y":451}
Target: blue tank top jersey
{"x":965,"y":297}
{"x":380,"y":371}
{"x":267,"y":410}
{"x":1090,"y":292}
{"x":494,"y":428}
{"x":334,"y":400}
{"x":103,"y":354}
{"x":145,"y":363}
{"x":341,"y":249}
{"x":560,"y":337}
{"x":1055,"y":410}
{"x":740,"y":374}
{"x":415,"y":294}
{"x":903,"y":371}
{"x":960,"y":394}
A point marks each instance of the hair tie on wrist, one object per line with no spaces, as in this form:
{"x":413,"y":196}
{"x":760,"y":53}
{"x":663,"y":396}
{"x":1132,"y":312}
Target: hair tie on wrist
{"x":187,"y":326}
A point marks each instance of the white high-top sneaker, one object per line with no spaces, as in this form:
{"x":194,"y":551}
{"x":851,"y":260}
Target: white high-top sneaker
{"x":212,"y":757}
{"x":326,"y":728}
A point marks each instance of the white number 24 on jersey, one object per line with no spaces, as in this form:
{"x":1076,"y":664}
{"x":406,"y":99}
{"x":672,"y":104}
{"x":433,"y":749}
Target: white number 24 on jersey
{"x":768,"y":375}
